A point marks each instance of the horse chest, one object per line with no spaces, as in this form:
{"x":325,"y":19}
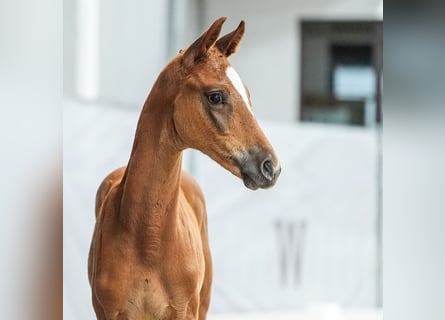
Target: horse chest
{"x":178,"y":276}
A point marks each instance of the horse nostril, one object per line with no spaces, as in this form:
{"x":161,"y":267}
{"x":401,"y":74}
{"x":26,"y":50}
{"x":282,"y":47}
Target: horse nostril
{"x":267,"y":169}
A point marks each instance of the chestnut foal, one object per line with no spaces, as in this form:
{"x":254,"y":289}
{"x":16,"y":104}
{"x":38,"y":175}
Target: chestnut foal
{"x":150,"y":257}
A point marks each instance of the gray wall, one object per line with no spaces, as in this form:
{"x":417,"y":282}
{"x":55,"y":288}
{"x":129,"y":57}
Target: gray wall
{"x":132,"y":49}
{"x":135,"y":39}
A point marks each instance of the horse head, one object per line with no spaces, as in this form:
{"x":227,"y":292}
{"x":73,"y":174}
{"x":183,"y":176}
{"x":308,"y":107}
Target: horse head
{"x":213,"y":111}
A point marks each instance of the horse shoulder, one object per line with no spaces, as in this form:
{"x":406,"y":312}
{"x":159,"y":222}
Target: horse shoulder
{"x":194,"y":196}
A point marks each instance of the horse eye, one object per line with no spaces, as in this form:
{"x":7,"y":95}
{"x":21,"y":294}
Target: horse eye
{"x":215,"y":98}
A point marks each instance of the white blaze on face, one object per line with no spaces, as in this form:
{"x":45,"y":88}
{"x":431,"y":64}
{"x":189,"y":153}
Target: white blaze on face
{"x":239,"y":86}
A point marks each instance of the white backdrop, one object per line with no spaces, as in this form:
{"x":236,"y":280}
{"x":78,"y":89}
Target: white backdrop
{"x":310,"y":239}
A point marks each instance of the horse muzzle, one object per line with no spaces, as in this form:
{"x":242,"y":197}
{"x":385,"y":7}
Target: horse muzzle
{"x":258,"y":168}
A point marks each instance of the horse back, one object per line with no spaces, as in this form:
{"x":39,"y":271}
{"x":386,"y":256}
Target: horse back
{"x":112,"y":180}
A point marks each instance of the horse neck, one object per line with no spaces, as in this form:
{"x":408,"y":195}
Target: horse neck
{"x":150,"y":186}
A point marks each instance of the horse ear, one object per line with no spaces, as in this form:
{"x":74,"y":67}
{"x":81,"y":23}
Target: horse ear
{"x":229,"y":43}
{"x":198,"y":49}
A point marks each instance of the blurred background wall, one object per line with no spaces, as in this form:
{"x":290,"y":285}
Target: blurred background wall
{"x":314,"y":72}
